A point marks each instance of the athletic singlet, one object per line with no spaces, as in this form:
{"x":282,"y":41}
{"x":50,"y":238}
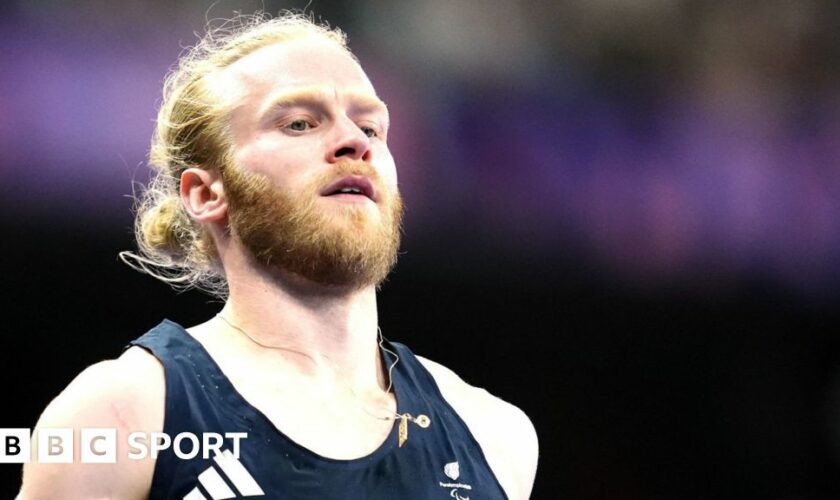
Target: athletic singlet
{"x":439,"y":462}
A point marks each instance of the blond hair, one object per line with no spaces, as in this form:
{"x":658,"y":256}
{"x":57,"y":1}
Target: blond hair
{"x":191,"y":131}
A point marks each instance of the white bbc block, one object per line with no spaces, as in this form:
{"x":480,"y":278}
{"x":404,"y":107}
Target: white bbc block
{"x":15,"y":446}
{"x":55,"y":446}
{"x":98,"y":446}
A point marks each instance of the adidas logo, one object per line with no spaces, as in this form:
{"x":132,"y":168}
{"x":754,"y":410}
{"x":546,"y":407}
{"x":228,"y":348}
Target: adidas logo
{"x":215,"y":486}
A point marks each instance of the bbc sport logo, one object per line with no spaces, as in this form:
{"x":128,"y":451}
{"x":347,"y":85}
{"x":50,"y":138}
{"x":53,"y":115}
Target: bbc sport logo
{"x":100,"y":445}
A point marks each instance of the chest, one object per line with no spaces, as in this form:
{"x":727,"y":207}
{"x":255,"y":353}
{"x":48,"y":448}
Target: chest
{"x":300,"y":441}
{"x":274,"y":470}
{"x":335,"y":426}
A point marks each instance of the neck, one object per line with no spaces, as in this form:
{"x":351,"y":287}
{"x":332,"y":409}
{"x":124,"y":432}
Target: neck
{"x":327,"y":334}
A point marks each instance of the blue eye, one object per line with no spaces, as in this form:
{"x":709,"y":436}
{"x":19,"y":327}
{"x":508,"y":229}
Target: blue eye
{"x":370,"y":132}
{"x":299,"y":125}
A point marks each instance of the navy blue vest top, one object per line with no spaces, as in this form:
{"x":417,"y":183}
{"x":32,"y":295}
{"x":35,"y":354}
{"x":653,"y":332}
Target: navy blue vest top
{"x":442,"y":461}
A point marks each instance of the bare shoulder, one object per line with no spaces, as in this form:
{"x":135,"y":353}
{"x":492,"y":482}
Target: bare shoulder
{"x":512,"y":454}
{"x":126,"y":394}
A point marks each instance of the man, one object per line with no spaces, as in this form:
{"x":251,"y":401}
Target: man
{"x":276,"y":190}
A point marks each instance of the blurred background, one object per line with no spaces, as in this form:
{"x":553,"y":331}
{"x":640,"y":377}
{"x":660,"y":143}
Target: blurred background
{"x":622,"y":216}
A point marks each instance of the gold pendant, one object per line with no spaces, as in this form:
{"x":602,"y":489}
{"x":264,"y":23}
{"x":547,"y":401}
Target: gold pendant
{"x":403,"y":428}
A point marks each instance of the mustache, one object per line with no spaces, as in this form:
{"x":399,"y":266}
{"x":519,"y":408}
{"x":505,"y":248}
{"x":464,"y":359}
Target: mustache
{"x":345,"y":168}
{"x":353,"y":167}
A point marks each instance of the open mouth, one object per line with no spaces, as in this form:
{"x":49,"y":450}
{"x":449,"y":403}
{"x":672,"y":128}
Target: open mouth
{"x":351,"y":187}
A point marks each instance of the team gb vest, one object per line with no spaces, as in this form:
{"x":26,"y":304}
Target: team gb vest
{"x":442,"y":461}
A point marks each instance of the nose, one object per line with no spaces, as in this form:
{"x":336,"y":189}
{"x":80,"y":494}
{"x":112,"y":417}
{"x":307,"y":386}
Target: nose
{"x":350,"y":143}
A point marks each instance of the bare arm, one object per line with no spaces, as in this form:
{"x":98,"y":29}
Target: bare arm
{"x":126,"y":394}
{"x":505,"y":433}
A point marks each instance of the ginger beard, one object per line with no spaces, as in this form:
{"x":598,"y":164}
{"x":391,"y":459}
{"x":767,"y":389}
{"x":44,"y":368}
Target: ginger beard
{"x":347,"y":247}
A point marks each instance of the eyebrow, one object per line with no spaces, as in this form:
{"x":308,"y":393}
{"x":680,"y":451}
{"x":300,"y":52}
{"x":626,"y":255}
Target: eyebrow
{"x":317,"y":96}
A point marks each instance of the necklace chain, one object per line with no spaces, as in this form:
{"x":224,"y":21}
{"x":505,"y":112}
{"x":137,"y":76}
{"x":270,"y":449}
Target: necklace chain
{"x":420,"y":420}
{"x":381,"y":347}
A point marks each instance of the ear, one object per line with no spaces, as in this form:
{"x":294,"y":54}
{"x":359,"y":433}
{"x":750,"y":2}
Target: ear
{"x":203,"y":195}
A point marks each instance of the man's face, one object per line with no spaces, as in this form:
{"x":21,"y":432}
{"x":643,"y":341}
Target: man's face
{"x":313,"y":188}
